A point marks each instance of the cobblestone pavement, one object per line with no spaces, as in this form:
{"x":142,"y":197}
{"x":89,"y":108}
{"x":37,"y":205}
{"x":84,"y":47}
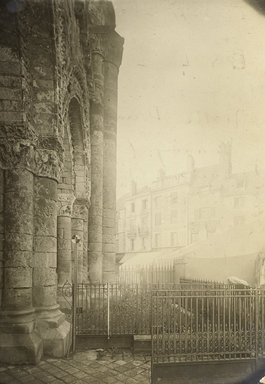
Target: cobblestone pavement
{"x":83,"y":368}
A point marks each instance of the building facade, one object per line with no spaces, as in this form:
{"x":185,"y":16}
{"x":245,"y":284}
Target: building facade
{"x":59,"y":65}
{"x":186,"y":208}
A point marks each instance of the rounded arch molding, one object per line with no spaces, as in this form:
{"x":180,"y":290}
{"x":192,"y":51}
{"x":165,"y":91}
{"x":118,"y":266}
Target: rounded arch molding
{"x":76,"y":125}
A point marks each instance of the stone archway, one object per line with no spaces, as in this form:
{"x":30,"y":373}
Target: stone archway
{"x":73,"y":198}
{"x":79,"y":221}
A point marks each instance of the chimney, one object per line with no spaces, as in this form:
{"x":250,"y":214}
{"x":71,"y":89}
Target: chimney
{"x":133,"y":187}
{"x":190,"y":164}
{"x":162,"y":174}
{"x":225,"y":158}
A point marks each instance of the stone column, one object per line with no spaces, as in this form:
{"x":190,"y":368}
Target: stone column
{"x":111,"y":69}
{"x":19,"y":341}
{"x":1,"y":234}
{"x":85,"y":248}
{"x":79,"y":217}
{"x":64,"y":244}
{"x":96,"y":207}
{"x":51,"y":324}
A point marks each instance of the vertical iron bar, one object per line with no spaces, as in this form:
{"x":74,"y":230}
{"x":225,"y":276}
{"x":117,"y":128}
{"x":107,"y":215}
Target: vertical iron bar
{"x":108,"y":312}
{"x":256,"y":323}
{"x":74,"y":291}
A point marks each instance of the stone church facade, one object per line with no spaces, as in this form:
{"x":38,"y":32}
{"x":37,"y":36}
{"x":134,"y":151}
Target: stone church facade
{"x":59,"y":64}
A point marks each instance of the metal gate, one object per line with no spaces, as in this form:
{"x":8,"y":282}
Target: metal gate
{"x":206,"y":324}
{"x":113,"y":309}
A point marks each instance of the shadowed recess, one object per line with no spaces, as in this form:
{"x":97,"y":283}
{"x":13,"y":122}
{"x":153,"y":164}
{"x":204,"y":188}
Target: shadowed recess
{"x":259,"y":5}
{"x":14,"y":6}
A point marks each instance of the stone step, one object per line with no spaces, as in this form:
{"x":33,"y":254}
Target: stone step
{"x":142,"y":343}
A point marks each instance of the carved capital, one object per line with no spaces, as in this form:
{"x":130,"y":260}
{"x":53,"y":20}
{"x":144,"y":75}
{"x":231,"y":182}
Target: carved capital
{"x":47,"y":163}
{"x":97,"y":42}
{"x":80,"y":209}
{"x":21,"y":148}
{"x":65,"y":204}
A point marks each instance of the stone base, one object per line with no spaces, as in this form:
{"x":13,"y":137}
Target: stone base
{"x":57,"y":341}
{"x":142,"y":343}
{"x":24,"y":348}
{"x":55,"y":332}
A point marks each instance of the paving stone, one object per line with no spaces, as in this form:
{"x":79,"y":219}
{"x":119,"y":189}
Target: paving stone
{"x":111,"y":369}
{"x":109,"y":380}
{"x":69,"y":379}
{"x":120,"y":362}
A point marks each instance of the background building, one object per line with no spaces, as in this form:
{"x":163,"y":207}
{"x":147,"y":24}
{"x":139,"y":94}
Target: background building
{"x":191,"y":207}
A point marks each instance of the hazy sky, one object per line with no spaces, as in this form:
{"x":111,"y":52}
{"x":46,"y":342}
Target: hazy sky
{"x":192,"y":76}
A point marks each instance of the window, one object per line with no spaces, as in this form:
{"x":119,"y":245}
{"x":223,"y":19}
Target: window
{"x":132,"y":226}
{"x":144,"y":204}
{"x":174,"y":216}
{"x":238,"y":220}
{"x":240,"y":183}
{"x":144,"y":223}
{"x":195,"y":227}
{"x":173,"y":239}
{"x":204,"y":213}
{"x":132,"y":207}
{"x":211,"y":226}
{"x":157,"y":201}
{"x":143,"y":243}
{"x":158,"y":218}
{"x":238,"y":202}
{"x":197,"y":214}
{"x":132,"y":244}
{"x":174,"y":198}
{"x":157,"y":240}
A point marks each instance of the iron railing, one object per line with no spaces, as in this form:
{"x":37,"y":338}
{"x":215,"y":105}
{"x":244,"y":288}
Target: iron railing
{"x":205,"y":324}
{"x":113,"y":309}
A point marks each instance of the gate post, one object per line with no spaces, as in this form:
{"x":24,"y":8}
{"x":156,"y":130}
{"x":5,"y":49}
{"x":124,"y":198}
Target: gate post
{"x":108,"y":313}
{"x":75,"y":241}
{"x":257,"y":323}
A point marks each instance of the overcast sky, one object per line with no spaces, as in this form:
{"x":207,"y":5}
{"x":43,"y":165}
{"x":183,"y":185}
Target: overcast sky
{"x":192,"y":76}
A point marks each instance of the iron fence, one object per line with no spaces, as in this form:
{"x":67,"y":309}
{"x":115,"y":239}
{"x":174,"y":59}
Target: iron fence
{"x":207,"y":323}
{"x":113,"y":309}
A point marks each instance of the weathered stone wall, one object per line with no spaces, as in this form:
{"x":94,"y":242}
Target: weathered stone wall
{"x":59,"y":63}
{"x":1,"y":232}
